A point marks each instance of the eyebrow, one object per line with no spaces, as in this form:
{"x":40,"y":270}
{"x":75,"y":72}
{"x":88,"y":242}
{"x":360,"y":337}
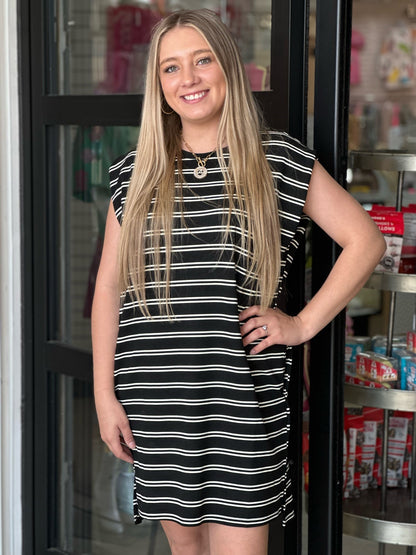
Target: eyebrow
{"x":195,"y":53}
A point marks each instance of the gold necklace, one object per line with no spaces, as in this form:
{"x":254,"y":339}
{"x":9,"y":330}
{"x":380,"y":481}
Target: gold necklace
{"x":200,"y":171}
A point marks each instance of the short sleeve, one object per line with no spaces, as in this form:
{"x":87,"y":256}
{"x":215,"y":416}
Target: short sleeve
{"x":291,"y":163}
{"x":120,"y":175}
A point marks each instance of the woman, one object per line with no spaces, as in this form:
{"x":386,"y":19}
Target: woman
{"x":212,"y":211}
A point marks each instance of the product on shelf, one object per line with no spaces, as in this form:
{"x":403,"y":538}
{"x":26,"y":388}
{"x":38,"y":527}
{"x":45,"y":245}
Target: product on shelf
{"x":354,"y":426}
{"x":407,"y":463}
{"x":359,"y":380}
{"x":408,"y":248}
{"x":379,"y":343}
{"x":369,"y":453}
{"x":391,"y":224}
{"x":374,"y":366}
{"x":396,"y":450}
{"x":373,"y":417}
{"x":355,"y":345}
{"x":408,"y":257}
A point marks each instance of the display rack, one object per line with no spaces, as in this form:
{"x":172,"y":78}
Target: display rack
{"x":381,"y":516}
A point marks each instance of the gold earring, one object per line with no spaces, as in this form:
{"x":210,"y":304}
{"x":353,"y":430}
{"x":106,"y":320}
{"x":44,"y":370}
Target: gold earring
{"x":163,"y":111}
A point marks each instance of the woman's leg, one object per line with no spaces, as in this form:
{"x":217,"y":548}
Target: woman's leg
{"x":233,"y":540}
{"x":186,"y":540}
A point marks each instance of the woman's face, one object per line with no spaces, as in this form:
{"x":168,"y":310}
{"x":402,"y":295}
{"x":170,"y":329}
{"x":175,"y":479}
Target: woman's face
{"x":192,"y":81}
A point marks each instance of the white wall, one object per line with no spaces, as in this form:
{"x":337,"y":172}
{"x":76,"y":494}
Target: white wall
{"x":10,"y":288}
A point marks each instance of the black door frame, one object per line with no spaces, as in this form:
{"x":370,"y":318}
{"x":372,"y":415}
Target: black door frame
{"x":332,"y":71}
{"x":39,"y":110}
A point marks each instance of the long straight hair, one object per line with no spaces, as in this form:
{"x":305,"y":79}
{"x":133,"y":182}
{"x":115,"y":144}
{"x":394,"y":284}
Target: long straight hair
{"x":148,"y":213}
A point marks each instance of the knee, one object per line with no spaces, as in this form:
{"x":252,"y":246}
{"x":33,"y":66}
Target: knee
{"x":186,"y":541}
{"x":187,"y":547}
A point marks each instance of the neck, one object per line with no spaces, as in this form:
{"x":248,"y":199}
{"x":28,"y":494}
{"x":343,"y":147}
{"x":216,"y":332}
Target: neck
{"x":201,"y":140}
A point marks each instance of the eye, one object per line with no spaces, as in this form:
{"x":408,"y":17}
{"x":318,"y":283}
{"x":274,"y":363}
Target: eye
{"x":204,"y":61}
{"x":170,"y":69}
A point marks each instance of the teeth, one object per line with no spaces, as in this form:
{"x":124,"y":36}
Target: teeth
{"x":194,"y":96}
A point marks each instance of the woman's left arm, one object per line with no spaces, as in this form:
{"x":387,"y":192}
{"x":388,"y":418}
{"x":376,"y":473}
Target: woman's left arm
{"x":348,"y":224}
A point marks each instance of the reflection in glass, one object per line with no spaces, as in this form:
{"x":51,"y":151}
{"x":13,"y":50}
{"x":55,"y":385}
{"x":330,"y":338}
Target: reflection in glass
{"x":102,"y":44}
{"x":84,"y":156}
{"x":92,"y":509}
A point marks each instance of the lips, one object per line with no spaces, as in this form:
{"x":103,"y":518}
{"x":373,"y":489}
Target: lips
{"x":194,"y":96}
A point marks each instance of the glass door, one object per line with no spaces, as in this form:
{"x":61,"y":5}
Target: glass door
{"x":87,"y":61}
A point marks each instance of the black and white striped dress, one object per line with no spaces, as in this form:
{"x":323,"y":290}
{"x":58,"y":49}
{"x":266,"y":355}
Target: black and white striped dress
{"x":210,"y":421}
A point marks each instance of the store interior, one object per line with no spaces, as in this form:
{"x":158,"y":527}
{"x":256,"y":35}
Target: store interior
{"x":382,"y":117}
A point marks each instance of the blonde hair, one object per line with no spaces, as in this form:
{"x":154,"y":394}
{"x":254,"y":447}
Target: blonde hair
{"x":248,"y":178}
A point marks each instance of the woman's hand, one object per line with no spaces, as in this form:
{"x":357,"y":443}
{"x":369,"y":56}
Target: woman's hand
{"x":114,"y":426}
{"x":273,"y":325}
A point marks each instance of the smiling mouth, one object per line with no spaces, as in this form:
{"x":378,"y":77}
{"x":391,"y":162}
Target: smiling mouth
{"x":195,"y":96}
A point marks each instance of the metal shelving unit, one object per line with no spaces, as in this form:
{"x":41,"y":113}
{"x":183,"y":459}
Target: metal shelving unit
{"x":387,"y":517}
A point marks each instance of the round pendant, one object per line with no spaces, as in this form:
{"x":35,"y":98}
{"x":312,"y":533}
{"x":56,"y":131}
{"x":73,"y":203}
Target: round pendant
{"x":200,"y":172}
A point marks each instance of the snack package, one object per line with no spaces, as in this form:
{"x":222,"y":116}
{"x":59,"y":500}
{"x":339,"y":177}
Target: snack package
{"x":354,"y":426}
{"x":408,"y":373}
{"x":396,"y":450}
{"x":379,"y":343}
{"x":359,"y":380}
{"x":407,"y":462}
{"x":368,"y":453}
{"x":408,"y":250}
{"x":355,"y":345}
{"x":403,"y":357}
{"x":391,"y":224}
{"x":408,"y":256}
{"x":375,"y":416}
{"x":376,"y":367}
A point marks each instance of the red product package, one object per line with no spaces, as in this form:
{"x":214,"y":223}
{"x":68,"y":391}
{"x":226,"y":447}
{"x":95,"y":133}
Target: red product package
{"x":407,"y":463}
{"x":354,"y":426}
{"x":408,"y":254}
{"x":391,"y":224}
{"x":359,"y":380}
{"x":398,"y":431}
{"x":375,"y":415}
{"x":376,"y":367}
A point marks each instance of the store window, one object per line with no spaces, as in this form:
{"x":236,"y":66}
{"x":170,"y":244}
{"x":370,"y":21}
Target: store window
{"x":380,"y":431}
{"x":91,"y":501}
{"x":91,"y":497}
{"x":101,"y":46}
{"x":79,"y":162}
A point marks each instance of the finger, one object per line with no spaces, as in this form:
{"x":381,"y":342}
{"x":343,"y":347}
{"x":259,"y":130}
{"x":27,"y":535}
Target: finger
{"x":254,"y":310}
{"x":254,"y":336}
{"x":127,"y":434}
{"x":252,"y":324}
{"x":127,"y":456}
{"x":120,"y":451}
{"x":261,"y":346}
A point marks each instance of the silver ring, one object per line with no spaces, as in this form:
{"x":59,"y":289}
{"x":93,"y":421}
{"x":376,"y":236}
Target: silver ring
{"x":265,"y":328}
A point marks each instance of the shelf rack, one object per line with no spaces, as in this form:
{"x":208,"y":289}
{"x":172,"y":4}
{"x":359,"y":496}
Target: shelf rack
{"x":370,"y":517}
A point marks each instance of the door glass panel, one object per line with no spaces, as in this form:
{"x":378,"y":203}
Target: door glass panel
{"x":79,"y":161}
{"x":382,"y":116}
{"x":91,"y":510}
{"x":101,"y":46}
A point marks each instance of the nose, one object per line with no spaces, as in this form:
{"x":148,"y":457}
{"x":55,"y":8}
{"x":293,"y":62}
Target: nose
{"x":189,"y":75}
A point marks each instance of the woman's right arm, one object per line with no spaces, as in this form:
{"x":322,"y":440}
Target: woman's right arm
{"x":114,"y":426}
